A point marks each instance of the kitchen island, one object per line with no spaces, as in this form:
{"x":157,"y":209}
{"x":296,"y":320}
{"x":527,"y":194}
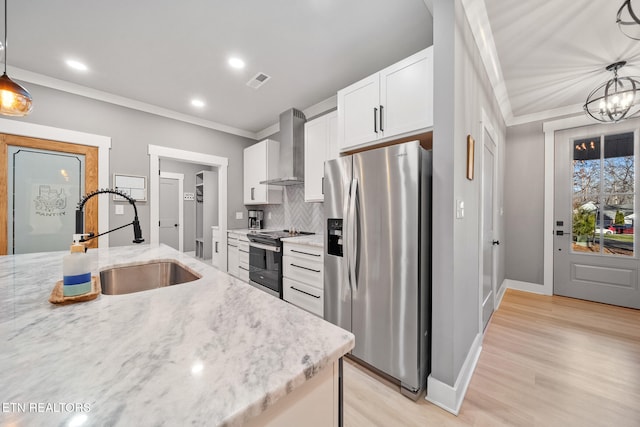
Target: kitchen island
{"x":214,"y":351}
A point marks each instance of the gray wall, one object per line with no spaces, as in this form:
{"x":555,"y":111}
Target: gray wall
{"x":524,"y":203}
{"x":189,"y":171}
{"x":131,"y":131}
{"x":461,"y":93}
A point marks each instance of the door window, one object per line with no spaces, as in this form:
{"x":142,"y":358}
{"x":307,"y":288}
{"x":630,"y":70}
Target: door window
{"x":604,"y":195}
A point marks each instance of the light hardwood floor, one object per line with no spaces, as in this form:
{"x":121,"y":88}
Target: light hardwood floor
{"x":546,"y":361}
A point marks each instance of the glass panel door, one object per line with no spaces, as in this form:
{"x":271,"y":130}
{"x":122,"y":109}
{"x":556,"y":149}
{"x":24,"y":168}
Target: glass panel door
{"x":44,"y":188}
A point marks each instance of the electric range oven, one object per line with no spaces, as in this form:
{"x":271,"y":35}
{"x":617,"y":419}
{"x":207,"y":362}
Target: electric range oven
{"x":265,"y":260}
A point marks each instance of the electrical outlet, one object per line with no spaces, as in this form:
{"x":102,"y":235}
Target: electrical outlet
{"x":119,"y":210}
{"x":269,"y":215}
{"x":189,"y":196}
{"x":239,"y":215}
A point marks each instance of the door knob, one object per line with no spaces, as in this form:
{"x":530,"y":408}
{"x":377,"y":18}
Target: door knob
{"x":175,"y":225}
{"x":495,"y":242}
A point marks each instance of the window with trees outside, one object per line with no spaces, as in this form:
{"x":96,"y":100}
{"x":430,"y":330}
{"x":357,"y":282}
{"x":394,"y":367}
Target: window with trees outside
{"x":604,"y":195}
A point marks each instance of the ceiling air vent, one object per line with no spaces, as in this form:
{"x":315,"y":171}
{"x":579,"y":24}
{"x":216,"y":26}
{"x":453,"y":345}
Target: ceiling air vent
{"x":258,"y":80}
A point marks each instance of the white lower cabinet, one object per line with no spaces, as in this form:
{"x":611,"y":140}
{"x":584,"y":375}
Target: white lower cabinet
{"x":303,"y":277}
{"x":238,"y":255}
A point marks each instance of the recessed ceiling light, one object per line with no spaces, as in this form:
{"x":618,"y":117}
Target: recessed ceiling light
{"x":197,"y":103}
{"x":76,"y":65}
{"x":236,"y":63}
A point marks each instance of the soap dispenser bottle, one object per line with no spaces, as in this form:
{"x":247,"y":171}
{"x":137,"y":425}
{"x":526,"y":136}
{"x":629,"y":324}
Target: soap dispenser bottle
{"x":75,"y":269}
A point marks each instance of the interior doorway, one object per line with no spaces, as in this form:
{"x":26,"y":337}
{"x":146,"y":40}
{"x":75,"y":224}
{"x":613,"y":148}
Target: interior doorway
{"x":156,"y":153}
{"x":172,"y":210}
{"x":41,"y":183}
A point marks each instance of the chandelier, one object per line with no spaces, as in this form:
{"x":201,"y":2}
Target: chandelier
{"x":628,"y":21}
{"x":615,"y":99}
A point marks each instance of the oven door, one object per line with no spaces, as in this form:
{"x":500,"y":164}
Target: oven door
{"x":265,"y":267}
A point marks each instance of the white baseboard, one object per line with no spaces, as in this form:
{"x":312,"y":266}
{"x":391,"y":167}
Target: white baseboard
{"x":500,"y":294}
{"x":526,"y":286}
{"x":450,"y":398}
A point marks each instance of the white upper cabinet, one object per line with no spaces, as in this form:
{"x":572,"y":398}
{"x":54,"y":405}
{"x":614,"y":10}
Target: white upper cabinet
{"x":261,"y":164}
{"x":320,"y":144}
{"x":395,"y":101}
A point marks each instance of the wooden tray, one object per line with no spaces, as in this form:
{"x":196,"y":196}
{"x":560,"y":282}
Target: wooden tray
{"x":57,"y":295}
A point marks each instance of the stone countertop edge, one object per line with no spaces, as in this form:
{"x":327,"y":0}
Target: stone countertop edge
{"x":132,"y":356}
{"x":315,"y":240}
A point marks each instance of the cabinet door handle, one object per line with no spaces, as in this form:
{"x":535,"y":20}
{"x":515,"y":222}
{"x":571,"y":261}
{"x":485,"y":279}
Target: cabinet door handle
{"x":305,"y":268}
{"x":241,"y":267}
{"x":246,"y":252}
{"x":323,"y":185}
{"x":252,"y":190}
{"x":304,"y":253}
{"x":375,"y":119}
{"x":306,"y":293}
{"x":381,"y":129}
{"x":216,"y":247}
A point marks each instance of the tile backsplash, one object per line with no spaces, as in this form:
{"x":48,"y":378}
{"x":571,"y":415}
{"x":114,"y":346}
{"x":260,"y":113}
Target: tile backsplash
{"x":294,"y":211}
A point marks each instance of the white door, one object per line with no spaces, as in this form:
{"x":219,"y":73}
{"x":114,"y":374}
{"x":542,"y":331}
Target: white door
{"x":488,"y":227}
{"x":594,"y":231}
{"x":171,"y":210}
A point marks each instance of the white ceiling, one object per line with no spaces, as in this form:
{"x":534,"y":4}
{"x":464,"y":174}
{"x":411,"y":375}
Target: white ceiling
{"x":165,"y":53}
{"x":553,"y":53}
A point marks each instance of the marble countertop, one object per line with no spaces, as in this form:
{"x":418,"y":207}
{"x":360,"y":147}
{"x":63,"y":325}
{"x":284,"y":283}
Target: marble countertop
{"x":215,"y":351}
{"x":316,"y":240}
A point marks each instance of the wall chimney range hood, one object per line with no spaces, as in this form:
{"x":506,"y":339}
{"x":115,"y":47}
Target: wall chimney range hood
{"x":291,"y":171}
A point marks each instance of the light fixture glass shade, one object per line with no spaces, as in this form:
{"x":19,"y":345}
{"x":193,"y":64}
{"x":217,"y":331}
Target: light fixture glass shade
{"x":628,"y":20}
{"x":14,"y":99}
{"x":616,"y":99}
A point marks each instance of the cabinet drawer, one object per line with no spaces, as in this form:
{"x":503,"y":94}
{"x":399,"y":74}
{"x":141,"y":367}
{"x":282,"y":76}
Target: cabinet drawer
{"x":310,"y":253}
{"x":304,"y":296}
{"x":243,"y":252}
{"x":301,"y":270}
{"x":243,"y":271}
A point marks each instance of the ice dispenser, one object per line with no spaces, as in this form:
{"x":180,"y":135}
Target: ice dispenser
{"x":334,"y":230}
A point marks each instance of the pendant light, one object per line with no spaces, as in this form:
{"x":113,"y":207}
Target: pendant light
{"x":616,"y":99}
{"x":628,"y":21}
{"x":14,"y":99}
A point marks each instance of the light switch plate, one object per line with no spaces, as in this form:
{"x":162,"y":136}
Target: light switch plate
{"x":189,"y":196}
{"x":119,"y":210}
{"x":459,"y":209}
{"x":239,"y":215}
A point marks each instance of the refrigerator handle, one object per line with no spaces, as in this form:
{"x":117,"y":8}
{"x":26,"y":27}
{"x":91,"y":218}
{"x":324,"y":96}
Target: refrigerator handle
{"x":353,"y":234}
{"x":345,"y":235}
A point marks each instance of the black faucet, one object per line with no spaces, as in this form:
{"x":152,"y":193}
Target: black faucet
{"x":137,"y":232}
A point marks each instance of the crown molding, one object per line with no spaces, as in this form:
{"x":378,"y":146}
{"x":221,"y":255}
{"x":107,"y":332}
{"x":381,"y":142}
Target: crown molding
{"x":478,"y":19}
{"x":64,"y":86}
{"x":569,"y":110}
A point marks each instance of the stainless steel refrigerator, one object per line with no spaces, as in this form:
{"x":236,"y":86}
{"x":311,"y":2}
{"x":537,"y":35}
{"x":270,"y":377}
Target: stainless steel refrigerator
{"x":377,"y":278}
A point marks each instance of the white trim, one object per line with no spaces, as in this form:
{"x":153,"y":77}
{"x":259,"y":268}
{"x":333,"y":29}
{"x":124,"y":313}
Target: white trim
{"x":15,"y":127}
{"x":550,"y":129}
{"x":478,"y":20}
{"x":450,"y":398}
{"x":266,"y":132}
{"x":64,"y":86}
{"x":575,"y":110}
{"x":534,"y":288}
{"x":500,"y":295}
{"x":222,"y":163}
{"x":180,"y":178}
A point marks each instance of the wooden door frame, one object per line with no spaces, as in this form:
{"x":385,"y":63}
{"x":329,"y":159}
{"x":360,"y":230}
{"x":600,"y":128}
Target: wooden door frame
{"x":90,"y":178}
{"x":22,"y":128}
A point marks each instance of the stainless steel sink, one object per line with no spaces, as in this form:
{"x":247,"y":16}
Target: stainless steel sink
{"x":136,"y":278}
